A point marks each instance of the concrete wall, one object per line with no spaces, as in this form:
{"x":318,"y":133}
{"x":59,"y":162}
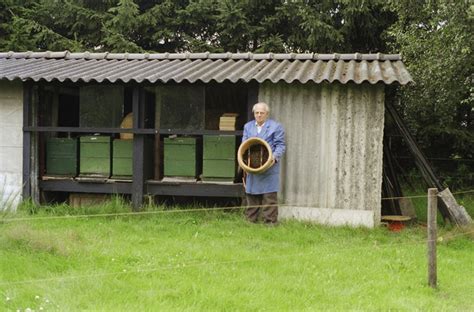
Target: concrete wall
{"x":332,"y":170}
{"x":11,"y":141}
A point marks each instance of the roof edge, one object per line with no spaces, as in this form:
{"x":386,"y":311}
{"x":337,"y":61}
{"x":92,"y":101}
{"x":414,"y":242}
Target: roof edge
{"x":204,"y":55}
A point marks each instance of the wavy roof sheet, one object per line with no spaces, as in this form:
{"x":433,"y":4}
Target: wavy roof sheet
{"x":204,"y":67}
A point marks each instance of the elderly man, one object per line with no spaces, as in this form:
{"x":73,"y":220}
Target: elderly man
{"x":261,"y":189}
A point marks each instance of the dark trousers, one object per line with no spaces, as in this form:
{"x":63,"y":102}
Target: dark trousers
{"x":267,"y":204}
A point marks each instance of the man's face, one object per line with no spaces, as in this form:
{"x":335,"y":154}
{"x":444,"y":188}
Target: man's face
{"x":260,"y":115}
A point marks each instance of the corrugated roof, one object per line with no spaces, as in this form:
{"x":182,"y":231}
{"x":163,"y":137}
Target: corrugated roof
{"x":205,"y":67}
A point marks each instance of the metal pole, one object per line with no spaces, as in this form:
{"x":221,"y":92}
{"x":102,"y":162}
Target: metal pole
{"x":432,"y":236}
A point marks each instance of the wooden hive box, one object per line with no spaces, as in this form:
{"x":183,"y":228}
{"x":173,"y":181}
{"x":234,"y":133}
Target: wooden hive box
{"x":61,"y":156}
{"x":181,"y":157}
{"x":95,"y":156}
{"x":219,"y":158}
{"x":122,"y":158}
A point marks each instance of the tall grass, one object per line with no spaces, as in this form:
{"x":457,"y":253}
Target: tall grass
{"x":8,"y":200}
{"x":214,"y":260}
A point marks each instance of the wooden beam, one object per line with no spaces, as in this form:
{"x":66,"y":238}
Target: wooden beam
{"x":129,"y":130}
{"x":35,"y":138}
{"x":420,"y":159}
{"x":195,"y":189}
{"x":199,"y":132}
{"x":72,"y":186}
{"x":458,"y":212}
{"x":138,"y":182}
{"x":151,"y":187}
{"x":89,"y":130}
{"x":27,"y":114}
{"x":448,"y":206}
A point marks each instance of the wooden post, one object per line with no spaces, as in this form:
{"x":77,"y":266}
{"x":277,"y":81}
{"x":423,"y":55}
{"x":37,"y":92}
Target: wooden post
{"x":27,"y":109}
{"x":138,"y":186}
{"x":432,"y":227}
{"x":157,"y":147}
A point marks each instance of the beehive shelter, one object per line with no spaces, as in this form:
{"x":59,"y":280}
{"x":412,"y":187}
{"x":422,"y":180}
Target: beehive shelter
{"x":331,"y":105}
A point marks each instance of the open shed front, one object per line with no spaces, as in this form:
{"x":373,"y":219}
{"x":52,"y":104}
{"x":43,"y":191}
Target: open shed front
{"x":74,"y":108}
{"x":80,"y":147}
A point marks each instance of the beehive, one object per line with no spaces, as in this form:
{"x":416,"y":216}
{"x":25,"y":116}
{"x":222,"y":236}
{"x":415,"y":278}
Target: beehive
{"x":122,"y":158}
{"x":180,"y":157}
{"x":219,"y":157}
{"x":95,"y":155}
{"x":61,"y":156}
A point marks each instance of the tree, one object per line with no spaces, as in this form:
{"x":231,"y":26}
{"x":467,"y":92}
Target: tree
{"x":435,"y":38}
{"x":195,"y":25}
{"x":120,"y":30}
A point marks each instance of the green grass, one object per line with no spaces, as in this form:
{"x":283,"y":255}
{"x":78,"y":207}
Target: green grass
{"x":217,"y":261}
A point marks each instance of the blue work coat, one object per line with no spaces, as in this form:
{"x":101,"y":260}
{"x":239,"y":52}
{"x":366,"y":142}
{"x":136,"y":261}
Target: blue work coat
{"x":274,"y":134}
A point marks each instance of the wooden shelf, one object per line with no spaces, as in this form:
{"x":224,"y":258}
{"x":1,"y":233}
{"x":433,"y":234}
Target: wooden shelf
{"x":134,"y":130}
{"x":152,"y":187}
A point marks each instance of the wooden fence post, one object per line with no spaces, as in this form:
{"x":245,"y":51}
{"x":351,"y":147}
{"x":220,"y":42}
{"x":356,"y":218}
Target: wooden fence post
{"x":432,"y":236}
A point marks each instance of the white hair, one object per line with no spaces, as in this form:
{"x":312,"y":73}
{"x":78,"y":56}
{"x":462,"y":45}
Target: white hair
{"x":262,"y":104}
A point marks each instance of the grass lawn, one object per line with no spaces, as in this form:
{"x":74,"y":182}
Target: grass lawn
{"x":217,"y":261}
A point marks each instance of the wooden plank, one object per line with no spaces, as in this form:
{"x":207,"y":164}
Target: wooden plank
{"x":77,"y":200}
{"x":179,"y":179}
{"x":199,"y":132}
{"x":407,"y":208}
{"x":157,"y":152}
{"x":89,"y":130}
{"x":56,"y":177}
{"x":420,"y":159}
{"x":128,"y":130}
{"x":27,"y":108}
{"x":391,"y":187}
{"x":396,"y":218}
{"x":210,"y":189}
{"x":157,"y":158}
{"x":195,"y":189}
{"x":457,"y":212}
{"x":85,"y":187}
{"x":91,"y":178}
{"x":138,"y":103}
{"x":35,"y":159}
